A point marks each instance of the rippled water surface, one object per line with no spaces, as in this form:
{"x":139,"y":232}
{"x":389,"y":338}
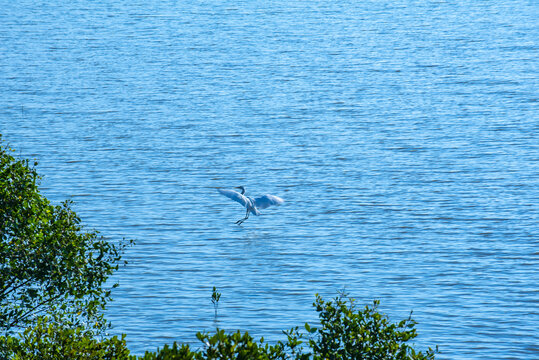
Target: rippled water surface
{"x":402,"y":135}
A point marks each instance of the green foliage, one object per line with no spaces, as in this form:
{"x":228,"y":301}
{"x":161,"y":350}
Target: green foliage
{"x":215,"y":296}
{"x":345,"y":332}
{"x":176,"y":352}
{"x":49,"y":341}
{"x":48,"y":264}
{"x":236,"y":346}
{"x":220,"y":346}
{"x":348,"y":333}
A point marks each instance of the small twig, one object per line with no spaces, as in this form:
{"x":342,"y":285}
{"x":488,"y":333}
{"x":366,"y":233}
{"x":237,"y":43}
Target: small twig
{"x":215,"y":296}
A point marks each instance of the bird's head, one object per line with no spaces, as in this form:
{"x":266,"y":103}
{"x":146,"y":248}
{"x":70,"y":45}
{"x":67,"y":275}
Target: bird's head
{"x":241,"y":188}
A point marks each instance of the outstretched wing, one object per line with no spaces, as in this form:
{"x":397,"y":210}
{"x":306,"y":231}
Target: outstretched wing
{"x":236,"y":196}
{"x":265,"y":201}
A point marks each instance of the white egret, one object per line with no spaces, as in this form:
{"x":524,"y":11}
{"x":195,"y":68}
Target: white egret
{"x":251,"y":204}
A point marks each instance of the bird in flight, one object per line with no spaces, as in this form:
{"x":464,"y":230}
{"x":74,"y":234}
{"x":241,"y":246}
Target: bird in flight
{"x":251,"y":204}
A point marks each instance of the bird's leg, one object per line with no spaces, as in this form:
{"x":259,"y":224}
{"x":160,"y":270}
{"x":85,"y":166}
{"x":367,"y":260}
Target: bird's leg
{"x":239,"y":222}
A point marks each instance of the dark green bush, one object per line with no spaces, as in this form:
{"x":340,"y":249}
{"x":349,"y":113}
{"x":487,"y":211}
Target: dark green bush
{"x":53,"y":274}
{"x":345,"y":332}
{"x":176,"y":352}
{"x":349,"y":333}
{"x":49,"y":265}
{"x":49,"y":341}
{"x":220,"y":346}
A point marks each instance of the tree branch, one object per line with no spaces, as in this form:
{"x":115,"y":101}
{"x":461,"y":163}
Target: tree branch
{"x":5,"y":293}
{"x":29,"y":312}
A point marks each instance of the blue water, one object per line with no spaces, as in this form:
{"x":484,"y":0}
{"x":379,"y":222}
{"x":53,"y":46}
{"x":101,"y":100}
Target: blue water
{"x":403,"y":136}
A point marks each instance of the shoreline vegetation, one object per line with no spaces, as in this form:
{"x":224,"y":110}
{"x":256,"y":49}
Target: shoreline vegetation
{"x":52,"y":295}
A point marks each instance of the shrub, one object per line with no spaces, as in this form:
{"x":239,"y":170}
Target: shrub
{"x":345,"y":332}
{"x":52,"y":274}
{"x":219,"y":346}
{"x":349,"y":333}
{"x":49,"y":265}
{"x":176,"y":352}
{"x":49,"y":341}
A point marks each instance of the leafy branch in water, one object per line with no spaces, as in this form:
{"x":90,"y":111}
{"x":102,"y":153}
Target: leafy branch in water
{"x":215,"y":296}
